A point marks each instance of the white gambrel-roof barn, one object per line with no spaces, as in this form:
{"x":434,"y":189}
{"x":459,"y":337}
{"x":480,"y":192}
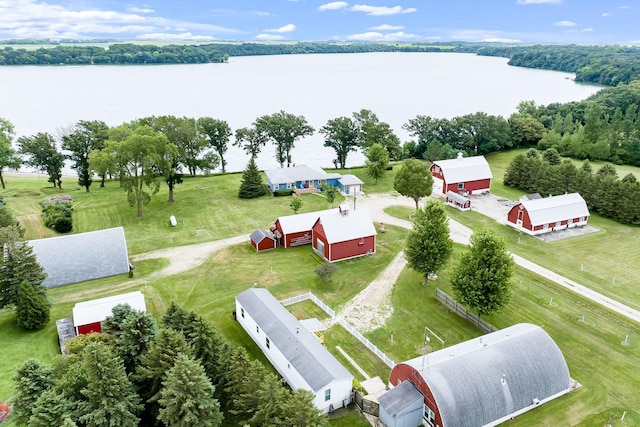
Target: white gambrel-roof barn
{"x":470,"y":175}
{"x":295,"y":353}
{"x":488,"y":380}
{"x":84,"y":256}
{"x":536,"y":216}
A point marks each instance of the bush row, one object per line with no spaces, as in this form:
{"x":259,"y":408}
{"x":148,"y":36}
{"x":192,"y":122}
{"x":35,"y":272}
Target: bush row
{"x":57,"y":213}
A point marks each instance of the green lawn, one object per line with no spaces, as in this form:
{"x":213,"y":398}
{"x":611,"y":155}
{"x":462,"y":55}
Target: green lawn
{"x":597,"y":359}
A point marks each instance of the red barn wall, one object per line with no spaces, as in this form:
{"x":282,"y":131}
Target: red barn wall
{"x":91,"y":327}
{"x":403,"y":372}
{"x":265,"y":244}
{"x":512,"y":216}
{"x":352,"y":248}
{"x":318,"y":234}
{"x":469,"y":186}
{"x":294,"y":239}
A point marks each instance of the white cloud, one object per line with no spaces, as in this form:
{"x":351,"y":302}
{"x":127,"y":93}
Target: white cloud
{"x":261,"y":13}
{"x":376,"y":36}
{"x":135,"y":9}
{"x":333,"y":5}
{"x":285,"y":29}
{"x":582,"y":30}
{"x":34,"y":18}
{"x":565,"y":24}
{"x":538,"y":1}
{"x":387,"y":27}
{"x":624,"y":7}
{"x":382,"y":10}
{"x":605,"y":14}
{"x":269,"y":37}
{"x":501,"y":40}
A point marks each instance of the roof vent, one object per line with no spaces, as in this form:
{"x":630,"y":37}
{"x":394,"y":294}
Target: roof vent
{"x":536,"y":401}
{"x":344,"y":209}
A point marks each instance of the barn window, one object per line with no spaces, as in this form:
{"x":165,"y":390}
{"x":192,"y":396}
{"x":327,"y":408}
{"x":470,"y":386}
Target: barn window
{"x":429,"y":415}
{"x":327,"y":394}
{"x":257,"y":329}
{"x":461,"y":186}
{"x":267,"y":342}
{"x":242,"y":312}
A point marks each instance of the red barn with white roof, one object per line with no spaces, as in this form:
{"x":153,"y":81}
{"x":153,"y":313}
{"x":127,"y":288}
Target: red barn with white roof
{"x":343,"y":235}
{"x":295,"y":230}
{"x":553,"y":213}
{"x":463,"y":175}
{"x":89,"y":315}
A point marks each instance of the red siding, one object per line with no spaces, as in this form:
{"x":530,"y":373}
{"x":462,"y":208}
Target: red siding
{"x":352,"y":248}
{"x":264,"y":244}
{"x":436,"y":171}
{"x":294,"y":239}
{"x":91,"y":327}
{"x":512,"y":217}
{"x":403,"y":372}
{"x":469,"y":186}
{"x":318,"y":234}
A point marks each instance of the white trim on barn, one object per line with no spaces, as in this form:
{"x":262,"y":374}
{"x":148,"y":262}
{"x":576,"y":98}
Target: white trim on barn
{"x":294,"y":352}
{"x":97,"y":310}
{"x":457,"y":201}
{"x":302,"y":222}
{"x":463,"y":170}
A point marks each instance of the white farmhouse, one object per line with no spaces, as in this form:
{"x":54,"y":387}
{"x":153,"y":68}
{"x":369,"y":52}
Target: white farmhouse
{"x":296,"y":353}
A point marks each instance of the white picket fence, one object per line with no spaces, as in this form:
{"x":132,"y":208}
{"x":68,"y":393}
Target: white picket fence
{"x":339,"y":320}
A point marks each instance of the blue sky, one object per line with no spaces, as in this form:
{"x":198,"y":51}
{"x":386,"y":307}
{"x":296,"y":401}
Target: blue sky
{"x":512,"y":21}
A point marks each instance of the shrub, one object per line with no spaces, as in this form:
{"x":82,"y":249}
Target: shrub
{"x":57,"y":213}
{"x":283,"y":193}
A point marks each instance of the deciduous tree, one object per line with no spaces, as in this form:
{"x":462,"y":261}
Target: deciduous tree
{"x":377,"y":161}
{"x":428,"y":243}
{"x":8,"y":156}
{"x":250,"y":140}
{"x":80,"y":140}
{"x":217,"y":132}
{"x":283,"y":129}
{"x":373,"y":131}
{"x":483,"y":273}
{"x":41,"y":152}
{"x":414,"y":180}
{"x":295,"y":204}
{"x":342,"y":135}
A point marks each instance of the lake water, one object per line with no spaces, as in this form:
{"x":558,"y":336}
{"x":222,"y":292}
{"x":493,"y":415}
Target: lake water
{"x":395,"y":86}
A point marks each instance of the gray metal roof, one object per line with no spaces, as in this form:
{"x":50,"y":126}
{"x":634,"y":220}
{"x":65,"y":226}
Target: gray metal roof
{"x":482,"y":380}
{"x":301,"y":348}
{"x":84,"y":256}
{"x":464,"y":169}
{"x":259,"y":235}
{"x":349,"y":179}
{"x":399,"y":398}
{"x":456,"y":197}
{"x":295,"y":173}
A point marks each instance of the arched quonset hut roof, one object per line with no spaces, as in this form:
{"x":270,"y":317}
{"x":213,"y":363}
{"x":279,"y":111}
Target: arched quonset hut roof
{"x":489,"y":379}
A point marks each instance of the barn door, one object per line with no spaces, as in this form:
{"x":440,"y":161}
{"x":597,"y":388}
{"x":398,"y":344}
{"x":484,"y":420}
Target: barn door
{"x":520,"y":217}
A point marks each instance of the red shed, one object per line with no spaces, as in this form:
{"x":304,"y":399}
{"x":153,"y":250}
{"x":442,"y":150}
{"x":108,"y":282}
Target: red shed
{"x":343,"y":235}
{"x":262,"y":240}
{"x":464,"y":175}
{"x":537,"y":216}
{"x":482,"y":382}
{"x":88,"y":315}
{"x":295,"y":230}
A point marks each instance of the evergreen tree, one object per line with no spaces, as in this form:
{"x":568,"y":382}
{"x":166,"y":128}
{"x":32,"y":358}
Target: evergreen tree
{"x":32,"y":379}
{"x":17,"y":264}
{"x":6,"y":217}
{"x":299,"y":411}
{"x":270,"y":396}
{"x":111,"y":398}
{"x":551,"y":156}
{"x":428,"y":244}
{"x":207,"y":347}
{"x":113,"y":324}
{"x":138,"y":332}
{"x":252,"y":185}
{"x":52,"y":409}
{"x":187,"y":397}
{"x":32,"y":311}
{"x":481,"y":278}
{"x":176,"y":317}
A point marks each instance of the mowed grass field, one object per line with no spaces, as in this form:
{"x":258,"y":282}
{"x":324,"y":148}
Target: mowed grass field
{"x":594,"y":348}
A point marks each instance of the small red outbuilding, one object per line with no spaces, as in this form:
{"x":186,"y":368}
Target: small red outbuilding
{"x":262,"y":240}
{"x":89,"y":315}
{"x":343,"y":235}
{"x":295,"y":230}
{"x":464,"y":175}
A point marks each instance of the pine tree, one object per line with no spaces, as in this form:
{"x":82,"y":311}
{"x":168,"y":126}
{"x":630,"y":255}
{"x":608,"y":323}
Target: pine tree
{"x":270,"y":396}
{"x":252,"y":185}
{"x":113,"y":324}
{"x":187,"y":397}
{"x":110,"y":397}
{"x":32,"y":379}
{"x":32,"y":311}
{"x":51,"y":409}
{"x":17,"y":264}
{"x":138,"y":332}
{"x":298,"y":410}
{"x":428,"y":244}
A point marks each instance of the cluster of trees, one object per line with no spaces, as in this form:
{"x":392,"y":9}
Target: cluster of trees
{"x":139,"y":373}
{"x":603,"y":191}
{"x":482,"y":275}
{"x":605,"y":65}
{"x":57,"y":213}
{"x":129,"y":53}
{"x":21,"y":276}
